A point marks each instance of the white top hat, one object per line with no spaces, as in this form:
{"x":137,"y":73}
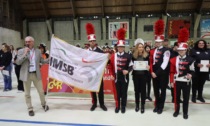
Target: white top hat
{"x":139,"y":40}
{"x":182,"y":46}
{"x":159,"y":38}
{"x":121,"y":43}
{"x":91,"y":37}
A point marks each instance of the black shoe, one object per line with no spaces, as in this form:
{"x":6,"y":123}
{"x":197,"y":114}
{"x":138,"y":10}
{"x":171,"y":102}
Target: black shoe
{"x":155,"y":109}
{"x":31,"y":113}
{"x":137,"y":108}
{"x":103,"y":107}
{"x":201,"y":99}
{"x":176,"y":114}
{"x":149,"y":98}
{"x":180,"y":101}
{"x":193,"y":100}
{"x":117,"y":110}
{"x":45,"y":107}
{"x":142,"y":109}
{"x":159,"y":111}
{"x":93,"y":107}
{"x":185,"y":116}
{"x":123,"y":110}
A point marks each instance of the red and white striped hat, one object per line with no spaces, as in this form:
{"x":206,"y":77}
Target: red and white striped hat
{"x":90,"y":32}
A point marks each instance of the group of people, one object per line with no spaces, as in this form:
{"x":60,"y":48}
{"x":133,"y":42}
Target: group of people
{"x":178,"y":66}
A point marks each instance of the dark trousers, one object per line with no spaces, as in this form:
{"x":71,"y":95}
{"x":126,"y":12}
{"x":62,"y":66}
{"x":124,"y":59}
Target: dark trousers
{"x":121,"y":90}
{"x":159,"y":84}
{"x":20,"y":83}
{"x":198,"y":82}
{"x":140,"y":88}
{"x":148,"y":85}
{"x":100,"y":95}
{"x":185,"y":88}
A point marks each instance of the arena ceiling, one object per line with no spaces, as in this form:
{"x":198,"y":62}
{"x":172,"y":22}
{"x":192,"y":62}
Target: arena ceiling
{"x":77,"y":8}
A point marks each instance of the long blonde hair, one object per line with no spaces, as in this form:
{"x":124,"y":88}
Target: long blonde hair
{"x":136,"y":52}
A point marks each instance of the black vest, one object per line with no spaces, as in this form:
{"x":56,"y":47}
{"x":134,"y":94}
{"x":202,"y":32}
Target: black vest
{"x":159,"y":59}
{"x":184,"y":65}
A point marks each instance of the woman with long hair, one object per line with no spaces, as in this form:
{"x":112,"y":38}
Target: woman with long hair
{"x":5,"y":66}
{"x":149,"y":78}
{"x":200,"y":53}
{"x":140,"y":76}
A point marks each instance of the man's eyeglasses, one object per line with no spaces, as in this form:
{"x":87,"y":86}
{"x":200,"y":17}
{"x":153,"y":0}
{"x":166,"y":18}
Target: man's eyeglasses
{"x":27,"y":41}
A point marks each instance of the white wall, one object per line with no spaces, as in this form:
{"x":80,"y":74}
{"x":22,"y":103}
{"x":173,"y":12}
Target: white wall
{"x":38,"y":30}
{"x":10,"y":37}
{"x":140,"y":28}
{"x":64,"y":30}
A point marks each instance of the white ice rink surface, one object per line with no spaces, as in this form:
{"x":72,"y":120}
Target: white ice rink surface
{"x":74,"y":109}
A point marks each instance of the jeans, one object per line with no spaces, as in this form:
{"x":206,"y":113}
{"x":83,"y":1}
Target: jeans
{"x":8,"y":79}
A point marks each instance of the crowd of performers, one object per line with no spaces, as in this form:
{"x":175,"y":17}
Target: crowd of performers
{"x":178,"y":68}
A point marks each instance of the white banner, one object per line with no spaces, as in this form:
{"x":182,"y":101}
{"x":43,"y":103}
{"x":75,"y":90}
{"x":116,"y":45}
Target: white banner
{"x":75,"y":66}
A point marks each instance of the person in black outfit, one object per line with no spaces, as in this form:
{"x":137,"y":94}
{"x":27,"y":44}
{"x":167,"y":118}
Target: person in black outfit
{"x":180,"y":76}
{"x":140,"y":76}
{"x":199,"y":53}
{"x":159,"y":60}
{"x":174,"y":53}
{"x":121,"y":63}
{"x":93,"y":47}
{"x":5,"y":66}
{"x":17,"y":72}
{"x":149,"y":78}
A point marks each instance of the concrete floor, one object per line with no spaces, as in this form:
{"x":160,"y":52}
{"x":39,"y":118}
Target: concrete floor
{"x":73,"y":109}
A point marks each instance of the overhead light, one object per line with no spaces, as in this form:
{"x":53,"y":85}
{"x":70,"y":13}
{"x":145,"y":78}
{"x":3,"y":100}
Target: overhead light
{"x":168,"y":14}
{"x":117,"y":17}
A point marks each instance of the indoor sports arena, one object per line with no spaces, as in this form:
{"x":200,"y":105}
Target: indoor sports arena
{"x":104,"y":62}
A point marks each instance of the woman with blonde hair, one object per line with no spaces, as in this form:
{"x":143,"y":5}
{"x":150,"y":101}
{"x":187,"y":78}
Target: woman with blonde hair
{"x":140,"y":74}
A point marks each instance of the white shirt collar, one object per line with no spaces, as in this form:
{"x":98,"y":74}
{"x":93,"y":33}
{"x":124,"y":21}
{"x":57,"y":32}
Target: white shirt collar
{"x":92,"y":49}
{"x":118,"y":53}
{"x":182,"y":56}
{"x":160,"y":47}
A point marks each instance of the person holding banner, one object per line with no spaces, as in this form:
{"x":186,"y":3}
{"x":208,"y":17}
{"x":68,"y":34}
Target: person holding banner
{"x":122,"y":64}
{"x":181,"y":71}
{"x":159,"y":59}
{"x":140,"y":73}
{"x":30,"y":58}
{"x":93,"y":47}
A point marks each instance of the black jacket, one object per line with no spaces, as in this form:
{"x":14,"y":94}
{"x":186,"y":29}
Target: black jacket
{"x":5,"y":58}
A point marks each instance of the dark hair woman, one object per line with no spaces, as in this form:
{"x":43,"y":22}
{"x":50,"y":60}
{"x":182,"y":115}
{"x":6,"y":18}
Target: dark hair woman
{"x":201,"y":54}
{"x":149,"y":78}
{"x":5,"y":66}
